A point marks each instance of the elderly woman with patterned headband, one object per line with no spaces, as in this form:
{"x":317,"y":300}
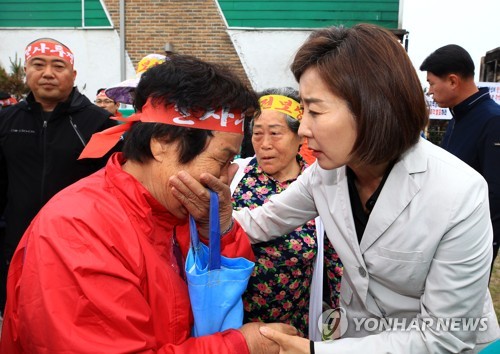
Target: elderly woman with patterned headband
{"x":100,"y":268}
{"x":280,"y":286}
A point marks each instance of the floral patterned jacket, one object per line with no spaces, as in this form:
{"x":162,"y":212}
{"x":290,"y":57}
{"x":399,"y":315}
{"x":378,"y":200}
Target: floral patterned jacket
{"x":279,"y":288}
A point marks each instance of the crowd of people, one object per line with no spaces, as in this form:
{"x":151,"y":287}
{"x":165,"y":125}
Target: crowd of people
{"x":350,"y":215}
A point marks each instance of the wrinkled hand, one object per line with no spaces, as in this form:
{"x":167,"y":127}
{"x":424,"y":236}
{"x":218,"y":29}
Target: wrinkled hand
{"x":195,"y":197}
{"x":288,"y":344}
{"x":258,"y":344}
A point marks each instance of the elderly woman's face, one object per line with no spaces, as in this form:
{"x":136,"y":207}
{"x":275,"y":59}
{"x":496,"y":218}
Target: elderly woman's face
{"x":215,"y":159}
{"x":327,"y":122}
{"x":275,"y":145}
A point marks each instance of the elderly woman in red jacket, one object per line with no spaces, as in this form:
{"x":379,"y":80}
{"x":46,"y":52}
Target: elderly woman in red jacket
{"x":100,"y":268}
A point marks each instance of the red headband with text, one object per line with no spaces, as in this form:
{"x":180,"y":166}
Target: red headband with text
{"x":102,"y":94}
{"x":221,"y":119}
{"x":43,"y":47}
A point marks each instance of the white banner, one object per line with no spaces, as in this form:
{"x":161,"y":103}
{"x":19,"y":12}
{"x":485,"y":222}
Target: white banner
{"x":436,"y":112}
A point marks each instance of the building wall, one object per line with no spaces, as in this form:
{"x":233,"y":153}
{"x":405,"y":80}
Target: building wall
{"x":261,"y":55}
{"x":268,"y":54}
{"x":193,"y":27}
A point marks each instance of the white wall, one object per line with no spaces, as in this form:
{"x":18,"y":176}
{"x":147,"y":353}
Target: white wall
{"x":474,"y":25}
{"x":267,"y":55}
{"x":97,"y":54}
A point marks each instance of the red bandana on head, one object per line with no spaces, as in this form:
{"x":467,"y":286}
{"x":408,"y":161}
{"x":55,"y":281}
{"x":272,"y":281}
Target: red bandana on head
{"x":45,"y":47}
{"x":102,"y":94}
{"x":221,"y":119}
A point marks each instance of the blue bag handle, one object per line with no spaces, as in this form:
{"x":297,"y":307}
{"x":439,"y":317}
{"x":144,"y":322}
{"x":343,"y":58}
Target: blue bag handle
{"x":214,"y":261}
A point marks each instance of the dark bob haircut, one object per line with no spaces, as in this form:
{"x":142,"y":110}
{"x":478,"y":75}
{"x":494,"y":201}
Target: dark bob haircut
{"x":193,"y":85}
{"x":367,"y":67}
{"x":450,"y":59}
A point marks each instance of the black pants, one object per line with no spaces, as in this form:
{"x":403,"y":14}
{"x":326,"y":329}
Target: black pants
{"x":495,"y":253}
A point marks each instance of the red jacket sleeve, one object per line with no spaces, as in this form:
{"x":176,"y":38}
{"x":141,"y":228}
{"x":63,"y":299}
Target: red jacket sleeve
{"x":76,"y":294}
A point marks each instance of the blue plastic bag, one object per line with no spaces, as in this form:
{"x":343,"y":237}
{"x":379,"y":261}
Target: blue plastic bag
{"x":215,"y":282}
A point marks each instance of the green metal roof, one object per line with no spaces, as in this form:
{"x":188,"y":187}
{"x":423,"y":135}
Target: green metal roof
{"x":53,"y":13}
{"x":309,"y":14}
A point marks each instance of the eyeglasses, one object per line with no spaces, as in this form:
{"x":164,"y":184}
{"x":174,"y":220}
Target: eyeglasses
{"x":104,"y":101}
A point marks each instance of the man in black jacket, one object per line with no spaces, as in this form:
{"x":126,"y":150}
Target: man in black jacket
{"x":40,"y":141}
{"x":473,"y":134}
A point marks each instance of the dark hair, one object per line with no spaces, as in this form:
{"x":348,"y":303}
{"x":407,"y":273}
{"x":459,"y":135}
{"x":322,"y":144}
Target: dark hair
{"x":450,"y":59}
{"x":367,"y":67}
{"x":193,"y":85}
{"x":247,"y":149}
{"x":289,"y":92}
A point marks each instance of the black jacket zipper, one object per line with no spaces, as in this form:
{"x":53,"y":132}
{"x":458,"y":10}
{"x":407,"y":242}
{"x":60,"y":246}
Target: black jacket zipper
{"x":75,"y":128}
{"x":44,"y":147}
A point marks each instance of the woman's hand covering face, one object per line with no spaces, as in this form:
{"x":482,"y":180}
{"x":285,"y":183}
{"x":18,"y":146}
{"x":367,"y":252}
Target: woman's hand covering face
{"x":195,"y":197}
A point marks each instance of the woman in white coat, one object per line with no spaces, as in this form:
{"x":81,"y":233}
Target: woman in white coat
{"x":410,"y":221}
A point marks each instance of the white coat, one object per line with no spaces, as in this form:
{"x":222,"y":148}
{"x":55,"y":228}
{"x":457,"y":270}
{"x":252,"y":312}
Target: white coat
{"x":425,"y":253}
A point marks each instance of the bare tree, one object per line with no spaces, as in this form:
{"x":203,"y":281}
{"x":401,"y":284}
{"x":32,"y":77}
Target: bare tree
{"x":13,"y":82}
